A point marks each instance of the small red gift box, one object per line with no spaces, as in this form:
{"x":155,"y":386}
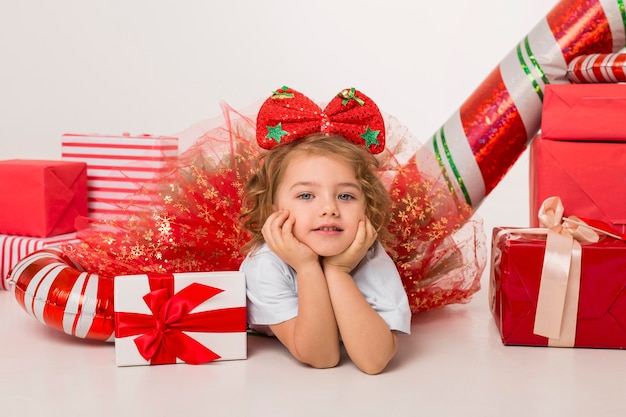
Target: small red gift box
{"x":41,"y":198}
{"x":516,"y":270}
{"x":193,"y":318}
{"x":15,"y":248}
{"x":575,"y":112}
{"x":588,"y":176}
{"x":118,"y":168}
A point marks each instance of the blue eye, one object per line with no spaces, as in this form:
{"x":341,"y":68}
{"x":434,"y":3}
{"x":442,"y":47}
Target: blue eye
{"x":345,"y":197}
{"x":305,"y":196}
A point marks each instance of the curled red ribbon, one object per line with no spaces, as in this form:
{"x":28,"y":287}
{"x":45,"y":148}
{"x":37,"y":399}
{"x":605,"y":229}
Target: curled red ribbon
{"x":162,"y":338}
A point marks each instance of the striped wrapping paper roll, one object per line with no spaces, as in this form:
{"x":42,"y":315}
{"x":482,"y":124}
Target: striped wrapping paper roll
{"x":118,"y":167}
{"x":598,"y":68}
{"x":15,"y":248}
{"x":58,"y":293}
{"x":481,"y":141}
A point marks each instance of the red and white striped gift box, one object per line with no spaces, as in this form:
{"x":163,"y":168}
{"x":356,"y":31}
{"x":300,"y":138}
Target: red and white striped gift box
{"x":118,"y":167}
{"x":15,"y":248}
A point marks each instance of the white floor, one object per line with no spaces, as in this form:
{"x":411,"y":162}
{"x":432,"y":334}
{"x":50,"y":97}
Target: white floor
{"x":453,"y":364}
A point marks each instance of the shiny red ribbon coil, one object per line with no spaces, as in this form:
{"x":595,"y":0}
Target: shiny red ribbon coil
{"x":288,"y":115}
{"x":162,"y":338}
{"x":598,"y":68}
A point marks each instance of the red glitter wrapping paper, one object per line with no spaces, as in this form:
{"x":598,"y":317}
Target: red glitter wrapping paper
{"x":480,"y":142}
{"x":517,"y":259}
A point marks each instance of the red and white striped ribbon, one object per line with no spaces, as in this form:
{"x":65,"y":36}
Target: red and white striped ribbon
{"x":598,"y":68}
{"x":15,"y":248}
{"x":58,"y":293}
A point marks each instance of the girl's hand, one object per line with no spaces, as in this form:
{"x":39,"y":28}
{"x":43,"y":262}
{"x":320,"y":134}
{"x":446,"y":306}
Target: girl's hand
{"x":350,"y":258}
{"x":278,"y":234}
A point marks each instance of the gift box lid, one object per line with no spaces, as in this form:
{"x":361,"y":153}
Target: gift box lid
{"x":587,"y":112}
{"x":144,"y":139}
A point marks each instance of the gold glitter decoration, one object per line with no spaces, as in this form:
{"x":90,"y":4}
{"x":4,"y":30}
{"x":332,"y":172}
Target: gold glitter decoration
{"x":424,"y":216}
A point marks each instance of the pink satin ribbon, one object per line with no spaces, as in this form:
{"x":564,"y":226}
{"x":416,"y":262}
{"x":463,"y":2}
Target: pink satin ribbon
{"x":162,"y":338}
{"x":559,"y":288}
{"x":557,"y":304}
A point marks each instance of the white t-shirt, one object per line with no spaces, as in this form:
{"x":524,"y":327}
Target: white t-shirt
{"x":272,"y":289}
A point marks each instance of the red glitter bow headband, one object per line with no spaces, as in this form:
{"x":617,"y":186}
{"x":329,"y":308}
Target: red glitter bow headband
{"x":288,"y":115}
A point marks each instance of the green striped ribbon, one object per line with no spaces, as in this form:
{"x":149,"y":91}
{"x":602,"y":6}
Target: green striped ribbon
{"x":535,"y":64}
{"x":456,"y":172}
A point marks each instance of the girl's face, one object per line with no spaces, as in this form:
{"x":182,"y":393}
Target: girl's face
{"x":324,"y":197}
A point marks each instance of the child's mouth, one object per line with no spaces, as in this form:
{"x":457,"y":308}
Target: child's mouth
{"x":328,"y":229}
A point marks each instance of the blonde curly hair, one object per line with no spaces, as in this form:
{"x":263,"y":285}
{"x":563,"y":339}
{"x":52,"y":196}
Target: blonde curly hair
{"x":260,"y":191}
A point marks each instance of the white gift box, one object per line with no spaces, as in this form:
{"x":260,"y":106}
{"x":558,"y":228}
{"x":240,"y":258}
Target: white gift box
{"x":118,"y":167}
{"x":14,"y":248}
{"x":215,"y":326}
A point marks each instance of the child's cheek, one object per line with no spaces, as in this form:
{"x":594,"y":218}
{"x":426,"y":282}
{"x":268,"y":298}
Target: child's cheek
{"x":296,"y":230}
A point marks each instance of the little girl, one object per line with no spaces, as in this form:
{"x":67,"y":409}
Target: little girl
{"x":315,"y":216}
{"x":316,"y":273}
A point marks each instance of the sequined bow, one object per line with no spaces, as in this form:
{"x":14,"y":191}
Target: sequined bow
{"x":288,"y":115}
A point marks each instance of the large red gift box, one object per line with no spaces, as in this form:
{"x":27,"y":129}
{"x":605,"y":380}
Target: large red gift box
{"x":118,"y":168}
{"x":589,"y":176}
{"x":194,"y":318}
{"x":41,"y":198}
{"x":581,"y":152}
{"x":575,"y":112}
{"x":15,"y":248}
{"x":516,"y":269}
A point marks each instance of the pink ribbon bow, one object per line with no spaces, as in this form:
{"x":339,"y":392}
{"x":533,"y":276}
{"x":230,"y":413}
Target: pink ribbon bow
{"x":557,"y":303}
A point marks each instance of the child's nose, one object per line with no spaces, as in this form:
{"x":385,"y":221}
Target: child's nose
{"x":329,"y":207}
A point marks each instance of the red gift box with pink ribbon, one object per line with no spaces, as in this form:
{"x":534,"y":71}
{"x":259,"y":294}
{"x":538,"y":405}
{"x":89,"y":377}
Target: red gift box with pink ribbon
{"x":191,"y":318}
{"x":561,"y":286}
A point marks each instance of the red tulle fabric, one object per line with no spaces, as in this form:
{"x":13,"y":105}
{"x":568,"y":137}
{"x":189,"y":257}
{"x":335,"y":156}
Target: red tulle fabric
{"x":193,"y":224}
